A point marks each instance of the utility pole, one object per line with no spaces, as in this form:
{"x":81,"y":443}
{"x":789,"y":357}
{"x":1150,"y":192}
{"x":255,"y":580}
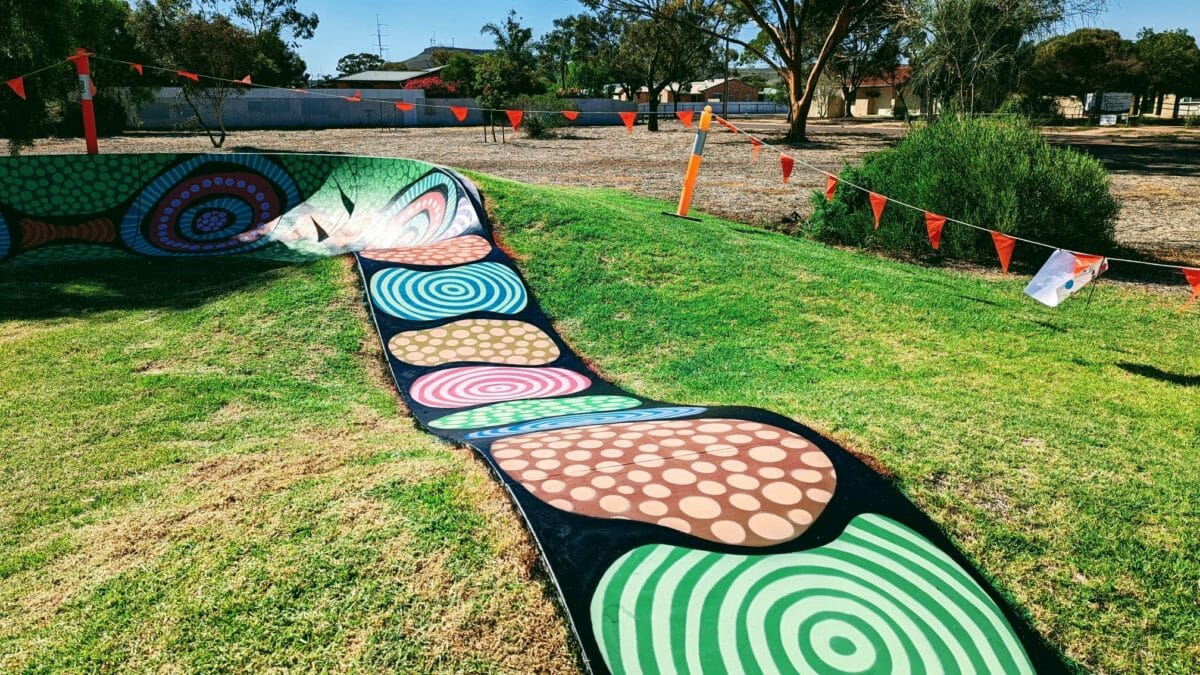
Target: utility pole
{"x":379,"y":37}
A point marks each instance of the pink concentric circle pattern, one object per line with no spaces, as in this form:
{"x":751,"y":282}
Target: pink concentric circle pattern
{"x":473,"y":385}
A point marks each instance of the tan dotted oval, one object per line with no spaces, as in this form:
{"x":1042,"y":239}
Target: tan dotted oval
{"x":456,"y":251}
{"x":475,"y":341}
{"x":724,"y":480}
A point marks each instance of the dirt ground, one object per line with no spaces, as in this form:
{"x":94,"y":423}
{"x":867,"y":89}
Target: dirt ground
{"x":1155,"y":171}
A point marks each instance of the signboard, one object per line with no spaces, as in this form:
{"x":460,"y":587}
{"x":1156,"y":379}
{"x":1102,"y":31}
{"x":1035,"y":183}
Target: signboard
{"x":1108,"y":102}
{"x":1108,"y":120}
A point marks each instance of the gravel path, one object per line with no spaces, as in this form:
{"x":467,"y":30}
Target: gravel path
{"x":1156,"y":174}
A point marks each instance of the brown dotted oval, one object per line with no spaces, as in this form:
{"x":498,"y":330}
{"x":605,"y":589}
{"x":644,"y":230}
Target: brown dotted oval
{"x":724,"y":480}
{"x":456,"y":251}
{"x":478,"y":341}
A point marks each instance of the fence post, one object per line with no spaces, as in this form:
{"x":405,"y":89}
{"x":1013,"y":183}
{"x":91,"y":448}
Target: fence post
{"x":693,"y":168}
{"x":84,"y":71}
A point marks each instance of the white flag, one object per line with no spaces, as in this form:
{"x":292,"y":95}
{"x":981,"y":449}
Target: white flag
{"x":1063,"y":275}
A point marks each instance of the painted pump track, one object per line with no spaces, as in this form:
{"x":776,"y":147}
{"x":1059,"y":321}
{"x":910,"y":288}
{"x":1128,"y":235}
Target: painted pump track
{"x":681,"y":539}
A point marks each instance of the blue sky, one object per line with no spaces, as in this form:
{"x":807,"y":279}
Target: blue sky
{"x":349,"y":25}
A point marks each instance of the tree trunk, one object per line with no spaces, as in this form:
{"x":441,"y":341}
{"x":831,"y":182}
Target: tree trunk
{"x":1175,"y":108}
{"x":802,"y":105}
{"x":1158,"y":106}
{"x":848,"y":97}
{"x":652,"y":123}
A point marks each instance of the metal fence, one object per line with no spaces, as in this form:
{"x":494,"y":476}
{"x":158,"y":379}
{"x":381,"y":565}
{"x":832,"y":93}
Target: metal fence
{"x":734,"y":108}
{"x":276,"y":109}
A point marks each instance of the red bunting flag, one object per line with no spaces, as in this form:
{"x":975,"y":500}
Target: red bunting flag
{"x":1084,"y":261}
{"x":878,"y":201}
{"x":404,"y":106}
{"x":1004,"y":248}
{"x":138,"y":68}
{"x":514,"y":118}
{"x":571,"y":114}
{"x":933,"y":225}
{"x":685,"y":116}
{"x":732,"y":129}
{"x":245,"y":80}
{"x":1193,"y":278}
{"x":17,"y":84}
{"x":92,"y":87}
{"x":460,"y":112}
{"x":356,"y":98}
{"x":628,"y":118}
{"x":191,"y":76}
{"x":755,"y":147}
{"x":786,"y":163}
{"x":831,"y":183}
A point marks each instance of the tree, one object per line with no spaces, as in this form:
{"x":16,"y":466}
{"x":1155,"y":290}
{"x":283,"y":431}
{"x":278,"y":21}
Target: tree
{"x":973,"y":53}
{"x":352,"y":64}
{"x":1172,"y":64}
{"x":1083,"y":61}
{"x":178,"y":37}
{"x":458,"y":71}
{"x":508,"y":72}
{"x":269,"y":16}
{"x":787,"y":33}
{"x":666,"y":50}
{"x":871,"y":49}
{"x":37,"y":34}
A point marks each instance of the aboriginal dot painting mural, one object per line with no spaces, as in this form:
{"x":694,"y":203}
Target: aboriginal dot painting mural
{"x":681,"y":538}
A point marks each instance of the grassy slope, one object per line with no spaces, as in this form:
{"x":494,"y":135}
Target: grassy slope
{"x":205,"y":468}
{"x":209,"y":469}
{"x":1058,"y":447}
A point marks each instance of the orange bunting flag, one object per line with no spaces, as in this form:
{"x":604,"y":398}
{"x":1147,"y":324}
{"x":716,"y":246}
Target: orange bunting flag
{"x":755,"y":147}
{"x":17,"y":84}
{"x":191,"y":76}
{"x":571,"y":114}
{"x":514,"y":118}
{"x":356,"y":98}
{"x":878,"y":201}
{"x":732,"y":129}
{"x":1084,"y":261}
{"x":685,"y":116}
{"x":1004,"y":248}
{"x":1193,"y":278}
{"x":460,"y":112}
{"x":831,"y":183}
{"x":245,"y":80}
{"x":137,"y":67}
{"x":787,"y":163}
{"x":933,"y":225}
{"x":404,"y":106}
{"x":628,"y":118}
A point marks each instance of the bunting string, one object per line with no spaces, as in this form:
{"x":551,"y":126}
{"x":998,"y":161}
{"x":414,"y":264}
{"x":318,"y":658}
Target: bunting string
{"x":934,"y":222}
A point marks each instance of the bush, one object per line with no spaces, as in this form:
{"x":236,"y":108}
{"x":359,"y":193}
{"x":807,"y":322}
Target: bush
{"x":540,"y":124}
{"x":1041,"y":109}
{"x":1191,"y":121}
{"x":995,"y":173}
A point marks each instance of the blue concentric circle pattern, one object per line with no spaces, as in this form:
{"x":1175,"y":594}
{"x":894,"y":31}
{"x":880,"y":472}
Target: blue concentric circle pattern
{"x":424,"y":296}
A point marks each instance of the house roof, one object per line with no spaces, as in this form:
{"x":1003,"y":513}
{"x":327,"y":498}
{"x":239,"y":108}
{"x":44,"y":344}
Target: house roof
{"x":387,"y":75}
{"x":692,"y":88}
{"x":901,"y":74}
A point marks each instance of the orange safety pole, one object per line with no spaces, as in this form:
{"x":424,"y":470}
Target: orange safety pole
{"x":84,"y":71}
{"x":693,"y":168}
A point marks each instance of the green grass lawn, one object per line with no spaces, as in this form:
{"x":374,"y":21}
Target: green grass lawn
{"x":205,"y":466}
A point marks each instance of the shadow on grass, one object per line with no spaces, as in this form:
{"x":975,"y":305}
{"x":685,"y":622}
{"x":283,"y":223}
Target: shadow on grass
{"x":46,"y":292}
{"x":1160,"y":375}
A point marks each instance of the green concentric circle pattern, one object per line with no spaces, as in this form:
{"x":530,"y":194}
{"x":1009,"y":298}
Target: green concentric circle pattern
{"x":878,"y":599}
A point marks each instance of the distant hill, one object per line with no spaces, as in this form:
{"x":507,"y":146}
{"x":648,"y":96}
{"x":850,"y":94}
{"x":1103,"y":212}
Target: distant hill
{"x":424,"y":60}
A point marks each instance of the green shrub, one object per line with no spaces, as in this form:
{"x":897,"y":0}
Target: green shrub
{"x":995,"y":173}
{"x":1040,"y":109}
{"x":540,"y":124}
{"x":1191,"y":121}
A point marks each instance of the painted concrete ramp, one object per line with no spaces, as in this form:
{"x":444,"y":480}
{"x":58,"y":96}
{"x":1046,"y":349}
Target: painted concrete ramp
{"x":681,"y":538}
